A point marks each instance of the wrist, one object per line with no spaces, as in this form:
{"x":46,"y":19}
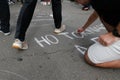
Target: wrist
{"x":83,"y":28}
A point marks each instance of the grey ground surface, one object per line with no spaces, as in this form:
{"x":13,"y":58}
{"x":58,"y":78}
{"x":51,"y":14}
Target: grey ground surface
{"x":51,"y":56}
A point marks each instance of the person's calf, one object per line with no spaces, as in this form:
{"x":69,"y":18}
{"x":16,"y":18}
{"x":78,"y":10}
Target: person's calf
{"x":110,"y":64}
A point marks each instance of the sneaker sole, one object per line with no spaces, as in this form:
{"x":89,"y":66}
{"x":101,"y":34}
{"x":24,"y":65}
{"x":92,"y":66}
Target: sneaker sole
{"x":61,"y":31}
{"x":57,"y":32}
{"x":6,"y":34}
{"x":16,"y":47}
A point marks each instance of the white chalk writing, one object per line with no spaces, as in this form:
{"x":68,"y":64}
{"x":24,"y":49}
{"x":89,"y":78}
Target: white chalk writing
{"x":51,"y":39}
{"x":81,"y":49}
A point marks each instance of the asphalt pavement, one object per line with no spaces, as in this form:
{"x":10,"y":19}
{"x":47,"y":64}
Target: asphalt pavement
{"x":51,"y":56}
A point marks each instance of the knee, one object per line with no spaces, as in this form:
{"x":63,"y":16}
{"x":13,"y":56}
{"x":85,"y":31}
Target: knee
{"x":86,"y":57}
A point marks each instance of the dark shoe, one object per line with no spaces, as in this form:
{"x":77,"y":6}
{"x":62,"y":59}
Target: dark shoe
{"x":5,"y":33}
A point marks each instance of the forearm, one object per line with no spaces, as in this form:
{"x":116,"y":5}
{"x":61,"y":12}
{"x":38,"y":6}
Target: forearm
{"x":90,"y":20}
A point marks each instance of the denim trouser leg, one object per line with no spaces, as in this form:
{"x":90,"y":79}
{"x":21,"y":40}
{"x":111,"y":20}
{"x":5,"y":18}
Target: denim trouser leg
{"x":57,"y":12}
{"x":4,"y":15}
{"x":24,"y":18}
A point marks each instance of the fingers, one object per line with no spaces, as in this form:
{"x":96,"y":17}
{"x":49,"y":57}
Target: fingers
{"x":79,"y":30}
{"x":102,"y":42}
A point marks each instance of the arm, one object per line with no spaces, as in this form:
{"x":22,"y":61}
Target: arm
{"x":109,"y":38}
{"x":90,"y":20}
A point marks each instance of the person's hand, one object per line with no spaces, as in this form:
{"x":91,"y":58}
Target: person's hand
{"x":79,"y":30}
{"x":107,"y":39}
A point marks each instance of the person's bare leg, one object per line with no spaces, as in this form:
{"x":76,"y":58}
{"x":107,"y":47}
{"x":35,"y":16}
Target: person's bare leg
{"x":87,"y":59}
{"x":110,"y":64}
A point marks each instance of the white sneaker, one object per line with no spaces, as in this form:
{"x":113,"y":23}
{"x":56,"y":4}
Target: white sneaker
{"x":44,"y":3}
{"x":51,"y":15}
{"x":19,"y":44}
{"x":6,"y":34}
{"x":61,"y":29}
{"x":11,"y":2}
{"x":48,"y":3}
{"x":24,"y":45}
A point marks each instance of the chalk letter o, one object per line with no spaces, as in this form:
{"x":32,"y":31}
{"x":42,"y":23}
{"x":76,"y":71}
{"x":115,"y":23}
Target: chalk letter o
{"x":53,"y":42}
